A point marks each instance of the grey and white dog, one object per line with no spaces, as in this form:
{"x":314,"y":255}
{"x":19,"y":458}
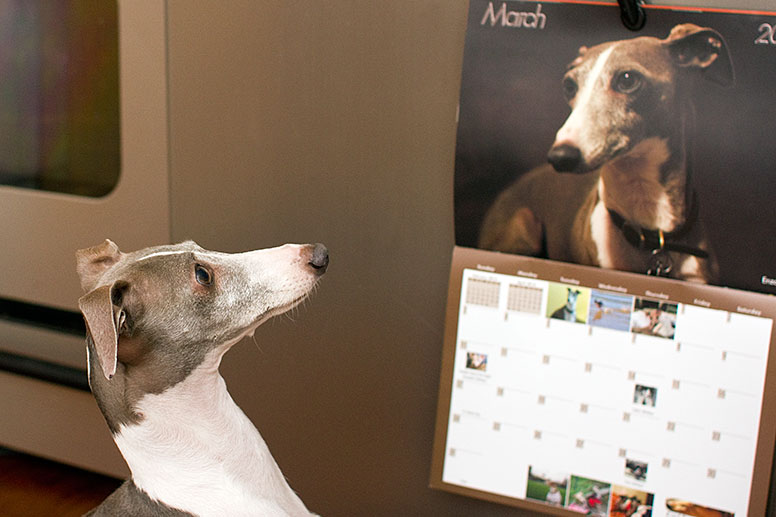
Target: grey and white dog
{"x":159,"y":321}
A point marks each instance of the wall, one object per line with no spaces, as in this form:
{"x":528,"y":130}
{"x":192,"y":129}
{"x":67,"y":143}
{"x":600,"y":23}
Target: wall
{"x":331,"y":122}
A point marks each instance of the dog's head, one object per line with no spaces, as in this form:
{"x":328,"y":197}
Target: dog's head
{"x":170,"y":306}
{"x":571,"y":299}
{"x":625,"y":92}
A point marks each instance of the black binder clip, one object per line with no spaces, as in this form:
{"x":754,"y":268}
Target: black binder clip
{"x":632,"y":14}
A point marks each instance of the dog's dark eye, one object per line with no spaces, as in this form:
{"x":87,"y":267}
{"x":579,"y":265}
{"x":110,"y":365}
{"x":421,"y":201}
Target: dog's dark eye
{"x":627,"y":82}
{"x":203,"y":276}
{"x":569,"y":88}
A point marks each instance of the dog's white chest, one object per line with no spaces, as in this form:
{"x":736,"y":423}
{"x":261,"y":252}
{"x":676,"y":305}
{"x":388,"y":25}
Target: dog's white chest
{"x":202,"y":455}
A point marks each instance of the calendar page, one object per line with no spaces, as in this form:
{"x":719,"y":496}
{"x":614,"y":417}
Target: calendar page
{"x":571,"y":389}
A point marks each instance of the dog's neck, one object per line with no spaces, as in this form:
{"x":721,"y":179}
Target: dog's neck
{"x":648,"y":185}
{"x":193,"y":449}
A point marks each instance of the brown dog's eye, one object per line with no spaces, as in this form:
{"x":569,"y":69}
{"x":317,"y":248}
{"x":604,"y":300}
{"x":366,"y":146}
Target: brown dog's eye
{"x":627,"y":82}
{"x":203,"y":276}
{"x":569,"y":88}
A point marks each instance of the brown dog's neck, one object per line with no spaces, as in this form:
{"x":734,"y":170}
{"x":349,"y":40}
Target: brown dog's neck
{"x":647,"y":186}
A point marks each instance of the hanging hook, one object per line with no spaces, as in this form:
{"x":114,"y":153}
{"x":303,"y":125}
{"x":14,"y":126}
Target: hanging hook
{"x":632,"y":14}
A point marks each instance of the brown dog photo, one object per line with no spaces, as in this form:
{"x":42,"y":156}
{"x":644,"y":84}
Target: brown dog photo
{"x":647,"y":151}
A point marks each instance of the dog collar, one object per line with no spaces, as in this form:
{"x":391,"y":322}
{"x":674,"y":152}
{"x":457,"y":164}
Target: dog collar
{"x":658,"y":241}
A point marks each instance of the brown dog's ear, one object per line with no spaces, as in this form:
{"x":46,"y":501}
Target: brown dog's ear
{"x":702,"y":48}
{"x":580,"y":57}
{"x":103,"y":321}
{"x":92,"y":262}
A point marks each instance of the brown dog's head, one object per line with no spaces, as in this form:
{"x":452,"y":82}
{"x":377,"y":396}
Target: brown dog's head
{"x":626,"y":92}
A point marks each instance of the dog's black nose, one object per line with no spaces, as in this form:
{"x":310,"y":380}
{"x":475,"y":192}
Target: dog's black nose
{"x":564,"y":157}
{"x":319,"y":259}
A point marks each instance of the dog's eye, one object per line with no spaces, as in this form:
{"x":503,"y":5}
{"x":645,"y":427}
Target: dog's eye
{"x":569,"y":88}
{"x":203,"y":276}
{"x":627,"y":82}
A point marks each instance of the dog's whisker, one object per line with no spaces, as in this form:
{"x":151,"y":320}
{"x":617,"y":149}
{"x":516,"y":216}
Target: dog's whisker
{"x":256,"y":344}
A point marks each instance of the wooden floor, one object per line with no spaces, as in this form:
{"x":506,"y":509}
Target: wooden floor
{"x":33,"y":487}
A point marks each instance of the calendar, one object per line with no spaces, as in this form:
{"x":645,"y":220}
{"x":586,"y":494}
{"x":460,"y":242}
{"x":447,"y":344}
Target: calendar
{"x":568,"y":389}
{"x":575,"y":382}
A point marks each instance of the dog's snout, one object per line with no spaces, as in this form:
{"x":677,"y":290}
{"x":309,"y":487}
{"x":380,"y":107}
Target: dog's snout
{"x":319,"y":258}
{"x":564,"y":157}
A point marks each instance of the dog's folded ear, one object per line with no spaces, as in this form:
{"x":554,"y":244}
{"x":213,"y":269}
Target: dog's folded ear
{"x":704,"y":49}
{"x":103,"y":321}
{"x":92,"y":262}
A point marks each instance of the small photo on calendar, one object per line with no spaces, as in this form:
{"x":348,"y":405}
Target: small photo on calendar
{"x":654,"y":318}
{"x":644,"y":395}
{"x":475,"y":361}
